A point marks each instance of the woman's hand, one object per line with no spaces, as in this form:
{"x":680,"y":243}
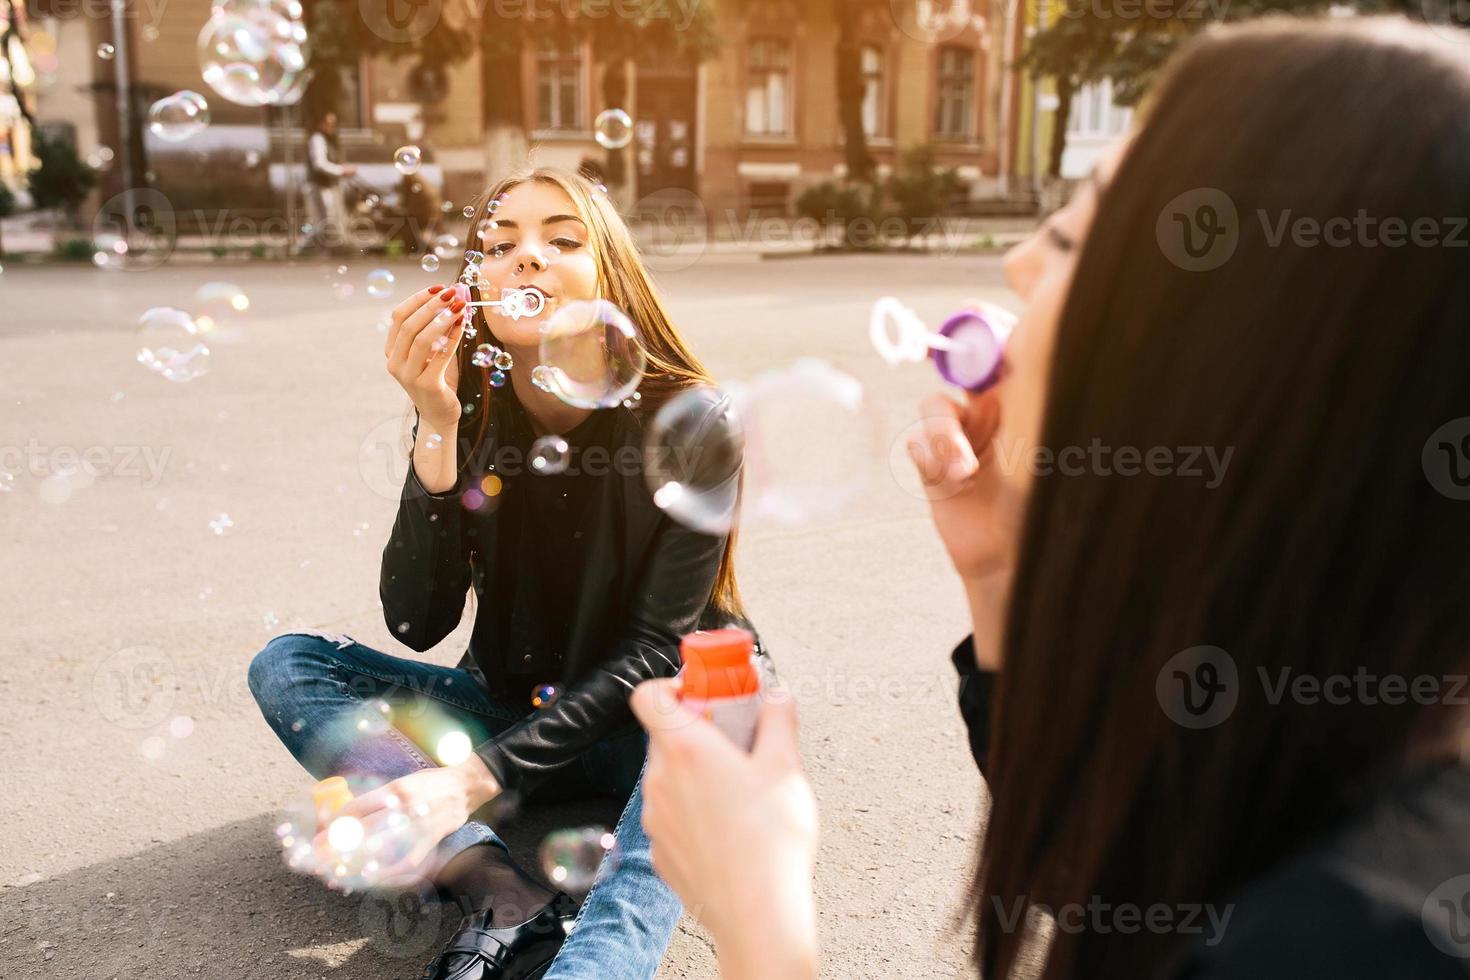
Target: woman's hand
{"x":951,"y":449}
{"x":958,"y":464}
{"x":734,"y":834}
{"x":422,"y":349}
{"x":437,"y":802}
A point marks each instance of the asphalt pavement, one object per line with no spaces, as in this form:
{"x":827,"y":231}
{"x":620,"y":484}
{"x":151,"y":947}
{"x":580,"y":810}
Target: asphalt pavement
{"x":142,"y":784}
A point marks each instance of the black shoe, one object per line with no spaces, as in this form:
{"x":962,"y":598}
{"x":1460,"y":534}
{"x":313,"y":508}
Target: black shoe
{"x":480,"y":951}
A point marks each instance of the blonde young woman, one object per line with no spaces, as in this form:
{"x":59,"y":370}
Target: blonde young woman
{"x":582,"y":584}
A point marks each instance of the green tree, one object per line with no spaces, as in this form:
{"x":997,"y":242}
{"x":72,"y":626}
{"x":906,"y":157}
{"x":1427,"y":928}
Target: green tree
{"x":63,"y":179}
{"x":1088,"y":42}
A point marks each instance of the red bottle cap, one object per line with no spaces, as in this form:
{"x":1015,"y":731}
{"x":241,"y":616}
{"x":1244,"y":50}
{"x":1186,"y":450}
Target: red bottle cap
{"x":718,"y":664}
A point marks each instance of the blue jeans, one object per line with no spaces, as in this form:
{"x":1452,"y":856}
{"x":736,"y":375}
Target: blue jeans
{"x":312,"y":687}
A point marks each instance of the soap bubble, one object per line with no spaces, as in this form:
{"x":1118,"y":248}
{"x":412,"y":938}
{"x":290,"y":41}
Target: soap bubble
{"x":549,"y":454}
{"x":453,"y":748}
{"x":593,"y":353}
{"x":692,"y":456}
{"x":110,"y":251}
{"x":570,"y":858}
{"x":430,"y":262}
{"x":380,"y":283}
{"x":613,"y":129}
{"x":176,"y":117}
{"x":253,"y":54}
{"x":446,"y":246}
{"x":542,"y":378}
{"x":169,"y":344}
{"x":544,"y":695}
{"x":342,"y":286}
{"x":352,"y":854}
{"x":100,"y":158}
{"x":469,"y":211}
{"x":216,"y":305}
{"x":106,"y":51}
{"x":483,"y":356}
{"x":408,"y":159}
{"x":221,"y":524}
{"x":808,"y":442}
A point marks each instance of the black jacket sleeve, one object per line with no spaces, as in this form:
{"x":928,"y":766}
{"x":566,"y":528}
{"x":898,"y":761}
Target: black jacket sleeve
{"x":426,"y":566}
{"x":977,"y":687}
{"x":674,"y":589}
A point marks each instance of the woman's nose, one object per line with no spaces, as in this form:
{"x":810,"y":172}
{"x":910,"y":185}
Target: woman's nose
{"x":1021,"y":265}
{"x":532,"y":260}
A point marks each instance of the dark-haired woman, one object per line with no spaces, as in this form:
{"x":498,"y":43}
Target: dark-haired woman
{"x":1241,"y":705}
{"x":584,"y":589}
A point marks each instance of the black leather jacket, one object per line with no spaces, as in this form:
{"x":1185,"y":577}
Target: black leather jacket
{"x":645,"y":583}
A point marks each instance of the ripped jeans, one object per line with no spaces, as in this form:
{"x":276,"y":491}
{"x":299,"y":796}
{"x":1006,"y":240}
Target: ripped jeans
{"x":320,"y":694}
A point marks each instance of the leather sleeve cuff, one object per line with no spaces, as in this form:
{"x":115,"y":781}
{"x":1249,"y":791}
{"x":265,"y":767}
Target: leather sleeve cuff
{"x":976,"y":693}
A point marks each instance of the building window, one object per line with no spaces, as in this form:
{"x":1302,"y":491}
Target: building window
{"x":954,"y":117}
{"x":1094,"y":114}
{"x":349,"y":102}
{"x":873,"y":100}
{"x":559,"y":86}
{"x":768,"y":88}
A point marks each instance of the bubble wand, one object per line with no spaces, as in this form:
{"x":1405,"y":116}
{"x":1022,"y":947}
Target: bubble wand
{"x":967,"y":349}
{"x":515,"y":302}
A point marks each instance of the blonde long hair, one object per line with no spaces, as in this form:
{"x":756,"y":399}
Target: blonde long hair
{"x":623,"y":280}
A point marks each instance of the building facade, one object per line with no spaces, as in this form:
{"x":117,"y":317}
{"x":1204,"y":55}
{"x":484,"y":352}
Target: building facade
{"x":747,"y":128}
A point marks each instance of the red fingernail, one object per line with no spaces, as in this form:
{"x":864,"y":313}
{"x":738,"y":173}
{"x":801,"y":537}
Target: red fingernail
{"x":457,"y":306}
{"x":435,"y":289}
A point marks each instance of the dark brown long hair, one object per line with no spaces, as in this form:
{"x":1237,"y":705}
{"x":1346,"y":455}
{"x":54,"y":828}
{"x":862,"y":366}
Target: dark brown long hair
{"x":1328,"y":546}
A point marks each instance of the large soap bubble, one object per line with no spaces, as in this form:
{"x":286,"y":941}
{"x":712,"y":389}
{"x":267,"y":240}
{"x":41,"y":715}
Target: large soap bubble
{"x":177,"y":117}
{"x":169,"y":344}
{"x":254,"y":53}
{"x":593,"y":354}
{"x":692,"y":456}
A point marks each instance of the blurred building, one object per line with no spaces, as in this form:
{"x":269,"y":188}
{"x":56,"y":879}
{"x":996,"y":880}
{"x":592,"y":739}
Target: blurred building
{"x":746,"y":129}
{"x":1094,"y":119}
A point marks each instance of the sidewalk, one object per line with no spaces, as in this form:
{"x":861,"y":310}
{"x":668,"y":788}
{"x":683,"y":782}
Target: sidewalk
{"x":30,"y":238}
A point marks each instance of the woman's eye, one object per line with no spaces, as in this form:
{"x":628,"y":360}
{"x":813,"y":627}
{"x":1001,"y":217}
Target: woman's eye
{"x":1060,"y":239}
{"x":566,"y":243}
{"x":500,"y":249}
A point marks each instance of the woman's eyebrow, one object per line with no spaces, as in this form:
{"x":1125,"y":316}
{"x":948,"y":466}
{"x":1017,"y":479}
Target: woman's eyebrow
{"x":503,"y":222}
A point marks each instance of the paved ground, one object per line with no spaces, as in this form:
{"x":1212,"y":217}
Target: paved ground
{"x":124,"y":611}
